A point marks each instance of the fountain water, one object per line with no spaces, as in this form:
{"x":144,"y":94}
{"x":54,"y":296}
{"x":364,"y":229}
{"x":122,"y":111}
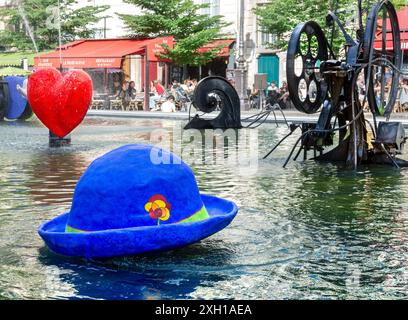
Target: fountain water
{"x":27,"y":24}
{"x":54,"y":141}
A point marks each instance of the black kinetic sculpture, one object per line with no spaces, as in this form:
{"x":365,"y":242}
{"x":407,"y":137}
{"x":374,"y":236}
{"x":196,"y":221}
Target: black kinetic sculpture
{"x":320,"y":81}
{"x":216,"y":94}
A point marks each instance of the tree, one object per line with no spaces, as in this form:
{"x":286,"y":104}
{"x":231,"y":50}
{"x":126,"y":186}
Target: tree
{"x":37,"y":20}
{"x":280,"y":17}
{"x":181,"y":19}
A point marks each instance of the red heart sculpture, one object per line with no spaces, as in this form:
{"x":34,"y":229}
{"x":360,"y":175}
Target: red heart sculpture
{"x":60,"y":101}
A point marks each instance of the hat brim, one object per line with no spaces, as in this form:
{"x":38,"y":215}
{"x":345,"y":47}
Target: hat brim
{"x":137,"y":240}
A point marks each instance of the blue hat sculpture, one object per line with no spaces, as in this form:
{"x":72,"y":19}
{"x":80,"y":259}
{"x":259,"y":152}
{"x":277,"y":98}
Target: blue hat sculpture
{"x":17,"y":104}
{"x":125,"y":204}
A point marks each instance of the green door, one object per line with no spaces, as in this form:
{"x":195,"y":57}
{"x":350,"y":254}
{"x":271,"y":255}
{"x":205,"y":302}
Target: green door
{"x":269,"y":64}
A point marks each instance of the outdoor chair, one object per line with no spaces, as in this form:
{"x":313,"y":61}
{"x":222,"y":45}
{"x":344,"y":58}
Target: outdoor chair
{"x":140,"y":104}
{"x":97,"y":104}
{"x":116,"y":105}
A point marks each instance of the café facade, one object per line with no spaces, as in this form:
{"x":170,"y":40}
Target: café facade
{"x":110,"y":60}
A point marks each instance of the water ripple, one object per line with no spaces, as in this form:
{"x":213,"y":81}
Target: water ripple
{"x":306,"y":232}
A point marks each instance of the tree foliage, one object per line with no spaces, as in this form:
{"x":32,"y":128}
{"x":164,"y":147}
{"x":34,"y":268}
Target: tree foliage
{"x":280,"y":17}
{"x":41,"y":17}
{"x":182,"y":19}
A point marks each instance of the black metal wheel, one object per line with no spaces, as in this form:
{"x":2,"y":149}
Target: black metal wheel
{"x":382,"y":46}
{"x":307,"y":49}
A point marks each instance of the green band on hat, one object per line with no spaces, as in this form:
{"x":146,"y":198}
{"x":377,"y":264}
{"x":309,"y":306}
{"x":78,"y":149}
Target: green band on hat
{"x":198,"y":216}
{"x":69,"y":229}
{"x":202,"y":214}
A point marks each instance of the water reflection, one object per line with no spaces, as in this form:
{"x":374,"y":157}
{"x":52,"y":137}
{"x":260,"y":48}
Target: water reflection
{"x":53,"y":176}
{"x":155,"y":276}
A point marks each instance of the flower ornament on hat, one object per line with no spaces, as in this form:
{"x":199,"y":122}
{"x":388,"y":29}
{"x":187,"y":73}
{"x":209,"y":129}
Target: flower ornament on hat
{"x":126,"y":204}
{"x":158,"y":208}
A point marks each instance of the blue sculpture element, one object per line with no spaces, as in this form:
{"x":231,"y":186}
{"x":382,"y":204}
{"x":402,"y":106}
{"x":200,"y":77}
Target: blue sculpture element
{"x":126,"y":204}
{"x":17,"y":103}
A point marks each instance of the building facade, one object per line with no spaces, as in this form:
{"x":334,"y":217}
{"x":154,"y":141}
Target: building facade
{"x":111,"y":26}
{"x":4,"y":3}
{"x":259,"y":59}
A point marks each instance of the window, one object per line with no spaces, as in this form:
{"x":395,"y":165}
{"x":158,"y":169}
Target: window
{"x":214,"y":9}
{"x":265,"y":38}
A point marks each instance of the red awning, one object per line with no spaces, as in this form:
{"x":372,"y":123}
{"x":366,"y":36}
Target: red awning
{"x":225,"y":45}
{"x":86,"y":54}
{"x":403,"y":23}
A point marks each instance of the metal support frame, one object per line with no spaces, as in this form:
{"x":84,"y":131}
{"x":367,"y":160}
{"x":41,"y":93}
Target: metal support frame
{"x":335,"y":83}
{"x":241,"y":61}
{"x":147,"y":81}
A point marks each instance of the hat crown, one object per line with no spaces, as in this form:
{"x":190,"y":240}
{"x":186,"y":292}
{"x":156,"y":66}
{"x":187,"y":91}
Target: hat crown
{"x":130,"y":187}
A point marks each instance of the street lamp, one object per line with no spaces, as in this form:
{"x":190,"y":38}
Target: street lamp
{"x":241,"y":70}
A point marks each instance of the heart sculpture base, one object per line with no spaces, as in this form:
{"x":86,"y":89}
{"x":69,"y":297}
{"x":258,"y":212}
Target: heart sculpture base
{"x":57,"y":142}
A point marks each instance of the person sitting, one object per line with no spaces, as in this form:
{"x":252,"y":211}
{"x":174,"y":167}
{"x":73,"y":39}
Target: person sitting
{"x":186,"y":85}
{"x":157,"y":91}
{"x":124,"y":95}
{"x":254,"y":98}
{"x":169,"y":105}
{"x":174,"y":85}
{"x":404,"y":94}
{"x":362,"y":92}
{"x":272,"y":89}
{"x":272,"y":94}
{"x":132,"y":92}
{"x":116,"y":89}
{"x":284,"y":96}
{"x":192,"y":86}
{"x":377,"y":93}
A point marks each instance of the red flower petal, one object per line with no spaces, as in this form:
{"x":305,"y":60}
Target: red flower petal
{"x":158,"y":197}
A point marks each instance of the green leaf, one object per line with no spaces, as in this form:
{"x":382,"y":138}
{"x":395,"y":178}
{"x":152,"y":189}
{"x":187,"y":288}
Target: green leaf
{"x":280,"y":17}
{"x":181,"y":19}
{"x":76,"y":23}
